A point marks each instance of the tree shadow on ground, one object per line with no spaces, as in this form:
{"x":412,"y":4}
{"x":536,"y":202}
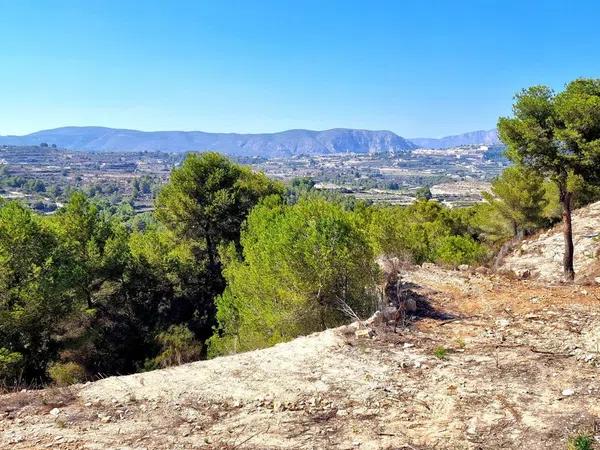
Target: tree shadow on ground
{"x":425,"y":308}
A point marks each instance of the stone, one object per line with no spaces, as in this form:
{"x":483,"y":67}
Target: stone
{"x":568,"y":392}
{"x":366,"y":333}
{"x":463,"y":267}
{"x":54,"y":412}
{"x":411,"y":305}
{"x":524,"y":274}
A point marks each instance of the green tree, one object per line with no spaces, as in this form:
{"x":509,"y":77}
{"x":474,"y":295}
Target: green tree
{"x":557,"y":135}
{"x":302,"y":264}
{"x":208,"y":199}
{"x":424,"y":193}
{"x":35,"y":293}
{"x":516,"y":202}
{"x":583,"y":193}
{"x":422,"y":231}
{"x":204,"y":205}
{"x":97,"y":244}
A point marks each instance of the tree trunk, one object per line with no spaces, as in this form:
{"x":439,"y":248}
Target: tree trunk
{"x":211,"y":250}
{"x":565,"y":200}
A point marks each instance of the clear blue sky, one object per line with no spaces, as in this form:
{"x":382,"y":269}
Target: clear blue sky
{"x":418,"y":68}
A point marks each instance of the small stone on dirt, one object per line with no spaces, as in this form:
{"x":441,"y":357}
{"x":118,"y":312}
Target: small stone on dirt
{"x":364,"y":333}
{"x":568,"y":392}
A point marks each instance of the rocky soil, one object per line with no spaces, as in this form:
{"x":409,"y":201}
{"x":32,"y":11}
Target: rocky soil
{"x":487,"y":363}
{"x":541,"y":255}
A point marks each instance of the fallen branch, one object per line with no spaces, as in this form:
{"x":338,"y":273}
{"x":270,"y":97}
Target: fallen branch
{"x":544,"y":352}
{"x":252,"y":436}
{"x":456,"y":320}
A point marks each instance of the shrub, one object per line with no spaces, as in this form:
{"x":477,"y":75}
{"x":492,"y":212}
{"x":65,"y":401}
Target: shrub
{"x":581,"y":442}
{"x":426,"y":231}
{"x":455,"y":250}
{"x":10,"y":364}
{"x":302,"y":264}
{"x":65,"y":374}
{"x":440,"y":352}
{"x":178,"y":345}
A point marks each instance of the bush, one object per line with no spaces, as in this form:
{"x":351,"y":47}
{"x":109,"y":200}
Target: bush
{"x":302,"y":264}
{"x":581,"y":442}
{"x":65,"y":374}
{"x":178,"y":345}
{"x":426,"y":231}
{"x":10,"y":364}
{"x":456,"y":250}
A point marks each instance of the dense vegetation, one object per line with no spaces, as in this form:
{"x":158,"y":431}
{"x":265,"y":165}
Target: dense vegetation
{"x":229,"y":261}
{"x":89,"y":291}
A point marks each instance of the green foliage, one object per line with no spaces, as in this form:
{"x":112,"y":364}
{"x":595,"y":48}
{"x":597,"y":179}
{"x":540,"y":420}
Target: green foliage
{"x":204,"y":205}
{"x":456,"y":250}
{"x":178,"y":346}
{"x":35,"y":289}
{"x":10,"y":364}
{"x":583,"y":193}
{"x":209,"y":197}
{"x":97,"y":245}
{"x":440,"y":352}
{"x":302,"y":264}
{"x":425,"y":231}
{"x":557,"y":136}
{"x":65,"y":374}
{"x":516,"y":204}
{"x":424,"y":193}
{"x":299,"y":187}
{"x":581,"y":441}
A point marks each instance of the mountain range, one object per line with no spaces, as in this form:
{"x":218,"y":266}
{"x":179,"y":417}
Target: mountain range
{"x":483,"y":137}
{"x":285,"y":143}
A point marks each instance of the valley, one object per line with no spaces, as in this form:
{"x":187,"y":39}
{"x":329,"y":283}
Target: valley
{"x":44,"y":176}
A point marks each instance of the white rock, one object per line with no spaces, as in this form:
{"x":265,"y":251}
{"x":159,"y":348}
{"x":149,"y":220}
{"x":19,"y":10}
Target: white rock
{"x":503,"y":323}
{"x":568,"y":392}
{"x":54,"y":412}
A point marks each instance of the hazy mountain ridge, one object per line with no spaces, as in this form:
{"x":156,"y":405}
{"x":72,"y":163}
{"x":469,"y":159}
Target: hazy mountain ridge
{"x":268,"y":144}
{"x":484,"y":137}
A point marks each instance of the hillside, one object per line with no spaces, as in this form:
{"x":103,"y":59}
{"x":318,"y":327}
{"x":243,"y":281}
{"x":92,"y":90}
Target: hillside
{"x":518,"y":370}
{"x":286,"y":143}
{"x":540,"y":256}
{"x":489,"y":137}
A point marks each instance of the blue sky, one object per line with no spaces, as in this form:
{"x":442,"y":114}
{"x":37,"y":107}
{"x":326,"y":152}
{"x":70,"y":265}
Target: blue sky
{"x":418,"y":68}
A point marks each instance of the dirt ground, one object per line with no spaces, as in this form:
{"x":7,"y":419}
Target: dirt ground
{"x":488,"y":363}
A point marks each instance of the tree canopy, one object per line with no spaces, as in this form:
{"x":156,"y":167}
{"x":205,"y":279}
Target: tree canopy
{"x":557,"y":135}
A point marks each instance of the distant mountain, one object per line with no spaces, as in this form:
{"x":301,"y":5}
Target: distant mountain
{"x":285,"y":143}
{"x":483,"y":137}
